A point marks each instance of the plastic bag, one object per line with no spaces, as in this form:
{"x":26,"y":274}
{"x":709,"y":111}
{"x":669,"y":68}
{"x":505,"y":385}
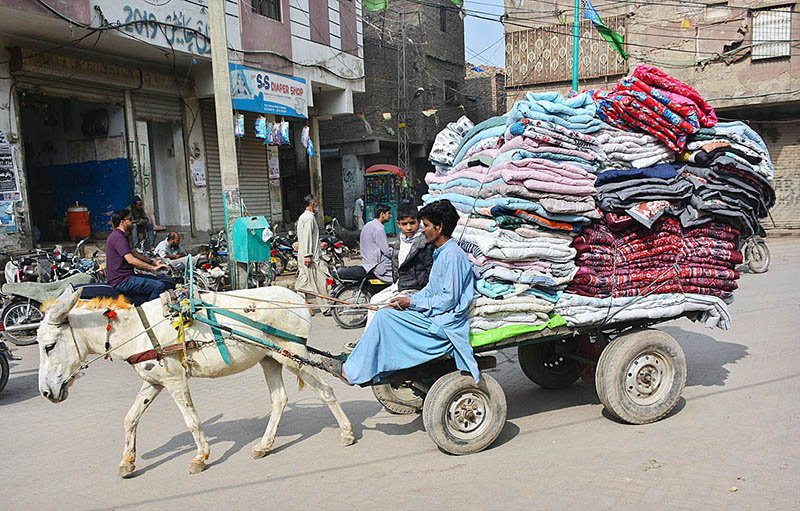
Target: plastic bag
{"x":238,"y":125}
{"x":261,"y":127}
{"x":285,"y":131}
{"x":270,"y":134}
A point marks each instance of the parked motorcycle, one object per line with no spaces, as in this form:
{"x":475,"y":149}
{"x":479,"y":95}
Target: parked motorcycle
{"x":284,"y":254}
{"x":353,"y":284}
{"x":5,"y":356}
{"x":755,"y":253}
{"x":22,"y":313}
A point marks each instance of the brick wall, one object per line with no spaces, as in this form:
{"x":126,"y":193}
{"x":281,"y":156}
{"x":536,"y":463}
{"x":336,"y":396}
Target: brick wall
{"x":783,"y":141}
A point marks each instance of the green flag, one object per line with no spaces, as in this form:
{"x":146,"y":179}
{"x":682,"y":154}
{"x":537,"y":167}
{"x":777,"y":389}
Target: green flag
{"x":615,"y":38}
{"x":376,"y":5}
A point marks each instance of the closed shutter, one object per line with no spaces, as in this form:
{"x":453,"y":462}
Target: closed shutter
{"x":69,"y":89}
{"x":213,"y":173}
{"x":153,"y":107}
{"x":251,"y":155}
{"x":333,"y":187}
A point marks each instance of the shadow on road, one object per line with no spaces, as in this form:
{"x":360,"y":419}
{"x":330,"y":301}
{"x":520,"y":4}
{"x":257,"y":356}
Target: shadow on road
{"x":22,"y":385}
{"x":706,"y":357}
{"x":303,"y":419}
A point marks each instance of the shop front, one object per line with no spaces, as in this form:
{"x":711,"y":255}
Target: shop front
{"x":270,"y":112}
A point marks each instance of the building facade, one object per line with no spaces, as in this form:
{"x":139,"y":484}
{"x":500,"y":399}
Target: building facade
{"x":434,"y":79}
{"x":484,"y":92}
{"x":741,"y":55}
{"x":108,"y":99}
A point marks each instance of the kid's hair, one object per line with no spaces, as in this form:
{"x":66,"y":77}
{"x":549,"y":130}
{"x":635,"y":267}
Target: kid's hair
{"x":407,"y":210}
{"x":441,"y":212}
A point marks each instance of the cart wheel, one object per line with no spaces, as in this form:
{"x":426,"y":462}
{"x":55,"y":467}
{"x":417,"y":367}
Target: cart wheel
{"x":546,"y":368}
{"x":463,"y":417}
{"x":400,"y":400}
{"x":640,"y":376}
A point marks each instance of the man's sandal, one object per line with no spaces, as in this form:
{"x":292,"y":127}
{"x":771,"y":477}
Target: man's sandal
{"x":335,"y":367}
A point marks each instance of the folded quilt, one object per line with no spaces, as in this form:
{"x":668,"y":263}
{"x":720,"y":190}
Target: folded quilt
{"x":575,"y":113}
{"x":678,"y":92}
{"x":584,"y":310}
{"x":480,"y":337}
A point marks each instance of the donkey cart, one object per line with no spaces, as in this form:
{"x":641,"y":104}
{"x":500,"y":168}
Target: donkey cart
{"x":638,"y":372}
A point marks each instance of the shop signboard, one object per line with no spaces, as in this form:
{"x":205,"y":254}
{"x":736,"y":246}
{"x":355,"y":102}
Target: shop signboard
{"x":254,"y":90}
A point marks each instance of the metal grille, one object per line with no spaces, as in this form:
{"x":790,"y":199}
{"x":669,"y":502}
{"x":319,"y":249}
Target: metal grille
{"x":333,"y":187}
{"x":151,"y":107}
{"x":213,"y":173}
{"x":544,"y":54}
{"x":251,"y":155}
{"x":772,"y":25}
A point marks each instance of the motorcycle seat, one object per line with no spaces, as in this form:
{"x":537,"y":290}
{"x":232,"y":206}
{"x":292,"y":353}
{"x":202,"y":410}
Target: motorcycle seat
{"x":44,"y":291}
{"x":351,"y":273}
{"x":97,"y":290}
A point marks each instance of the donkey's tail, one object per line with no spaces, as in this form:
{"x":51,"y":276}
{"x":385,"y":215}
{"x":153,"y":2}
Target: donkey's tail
{"x":300,"y":383}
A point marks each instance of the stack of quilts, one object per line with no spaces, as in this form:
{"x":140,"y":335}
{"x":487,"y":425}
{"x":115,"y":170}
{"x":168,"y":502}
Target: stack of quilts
{"x":655,"y":103}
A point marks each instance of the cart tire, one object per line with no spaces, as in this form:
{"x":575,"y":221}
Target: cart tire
{"x":400,"y":400}
{"x":3,"y":371}
{"x":544,"y":367}
{"x":444,"y":412}
{"x":640,"y":376}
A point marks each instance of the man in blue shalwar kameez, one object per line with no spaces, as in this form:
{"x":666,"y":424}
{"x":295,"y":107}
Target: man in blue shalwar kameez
{"x":427,"y":325}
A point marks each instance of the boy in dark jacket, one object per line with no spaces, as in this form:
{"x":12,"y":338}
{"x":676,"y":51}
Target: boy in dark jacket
{"x":412,"y":259}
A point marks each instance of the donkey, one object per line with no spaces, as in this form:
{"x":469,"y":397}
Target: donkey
{"x":73,"y":330}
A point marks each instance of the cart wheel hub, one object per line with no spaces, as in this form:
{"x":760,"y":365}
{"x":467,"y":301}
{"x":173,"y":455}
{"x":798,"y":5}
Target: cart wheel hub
{"x":648,"y":377}
{"x":467,"y":413}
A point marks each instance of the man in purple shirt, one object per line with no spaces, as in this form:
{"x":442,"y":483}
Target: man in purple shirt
{"x":120,"y":262}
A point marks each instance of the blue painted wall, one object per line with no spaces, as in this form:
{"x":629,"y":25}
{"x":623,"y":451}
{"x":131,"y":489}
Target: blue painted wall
{"x":102,"y":186}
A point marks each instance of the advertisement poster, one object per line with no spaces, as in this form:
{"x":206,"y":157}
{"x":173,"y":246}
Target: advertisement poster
{"x":8,"y":170}
{"x":198,"y":173}
{"x":7,"y":213}
{"x":253,"y":90}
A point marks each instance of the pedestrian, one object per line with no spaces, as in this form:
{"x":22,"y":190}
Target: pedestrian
{"x":358,"y":213}
{"x":310,"y":274}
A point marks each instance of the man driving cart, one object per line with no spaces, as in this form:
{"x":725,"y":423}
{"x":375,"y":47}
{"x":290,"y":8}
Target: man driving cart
{"x":432,"y":323}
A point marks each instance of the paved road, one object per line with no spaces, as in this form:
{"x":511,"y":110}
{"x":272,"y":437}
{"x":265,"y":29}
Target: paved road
{"x":737,"y":426}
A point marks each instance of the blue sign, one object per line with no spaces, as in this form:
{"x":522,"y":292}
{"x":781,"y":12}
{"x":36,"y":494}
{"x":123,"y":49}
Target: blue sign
{"x":254,"y":90}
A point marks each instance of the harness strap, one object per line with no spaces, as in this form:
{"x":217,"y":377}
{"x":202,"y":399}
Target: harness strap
{"x":150,"y":334}
{"x":212,"y":322}
{"x":253,"y":324}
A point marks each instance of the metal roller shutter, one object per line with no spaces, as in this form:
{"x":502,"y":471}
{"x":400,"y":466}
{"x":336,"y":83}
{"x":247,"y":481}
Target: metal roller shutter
{"x":333,"y":187}
{"x":251,"y":155}
{"x":69,"y":89}
{"x":213,"y":175}
{"x":151,"y":107}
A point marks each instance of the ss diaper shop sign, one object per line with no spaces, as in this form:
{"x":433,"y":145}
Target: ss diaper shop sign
{"x":253,"y":90}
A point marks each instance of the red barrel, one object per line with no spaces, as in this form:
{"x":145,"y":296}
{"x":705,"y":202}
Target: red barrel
{"x":78,"y":220}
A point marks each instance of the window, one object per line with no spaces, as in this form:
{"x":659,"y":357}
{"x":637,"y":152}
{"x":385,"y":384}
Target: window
{"x":443,"y":18}
{"x":268,"y":8}
{"x":771,"y":32}
{"x":451,"y":94}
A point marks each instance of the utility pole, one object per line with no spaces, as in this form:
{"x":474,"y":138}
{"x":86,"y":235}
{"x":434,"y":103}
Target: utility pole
{"x":229,"y":169}
{"x":576,"y":35}
{"x":402,"y":102}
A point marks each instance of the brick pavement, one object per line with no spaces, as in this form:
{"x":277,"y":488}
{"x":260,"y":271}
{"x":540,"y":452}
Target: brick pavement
{"x":736,"y":426}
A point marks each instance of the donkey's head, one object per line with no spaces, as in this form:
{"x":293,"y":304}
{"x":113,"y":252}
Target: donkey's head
{"x":59,"y":357}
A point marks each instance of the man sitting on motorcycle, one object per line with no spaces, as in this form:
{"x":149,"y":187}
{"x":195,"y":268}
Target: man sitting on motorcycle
{"x":171,"y":251}
{"x":376,"y":255}
{"x":121,"y":261}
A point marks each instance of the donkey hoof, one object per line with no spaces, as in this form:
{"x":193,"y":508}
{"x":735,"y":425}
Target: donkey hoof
{"x":126,"y":469}
{"x":196,"y":467}
{"x":348,"y":438}
{"x":257,"y":454}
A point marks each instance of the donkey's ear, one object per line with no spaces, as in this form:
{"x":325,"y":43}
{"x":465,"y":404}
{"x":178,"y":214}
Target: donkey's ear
{"x":59,"y":310}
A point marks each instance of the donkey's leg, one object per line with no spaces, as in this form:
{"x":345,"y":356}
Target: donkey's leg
{"x":325,"y":393}
{"x":146,"y":395}
{"x":277,"y":393}
{"x":179,"y":389}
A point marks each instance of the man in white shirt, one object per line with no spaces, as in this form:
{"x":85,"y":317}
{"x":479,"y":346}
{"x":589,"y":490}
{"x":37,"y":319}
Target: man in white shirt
{"x":358,"y":213}
{"x":171,"y":251}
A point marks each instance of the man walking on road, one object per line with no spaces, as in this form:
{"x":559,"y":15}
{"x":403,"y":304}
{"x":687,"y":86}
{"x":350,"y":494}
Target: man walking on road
{"x":376,"y":254}
{"x":358,"y":213}
{"x":310,"y":275}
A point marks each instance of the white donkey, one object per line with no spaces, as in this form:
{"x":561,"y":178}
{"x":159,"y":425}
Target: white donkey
{"x":70,"y":333}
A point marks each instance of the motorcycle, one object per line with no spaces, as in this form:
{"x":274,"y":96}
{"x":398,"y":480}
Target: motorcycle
{"x":22,"y":313}
{"x":755,"y":253}
{"x":284,"y":254}
{"x":5,"y":356}
{"x":353,"y":284}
